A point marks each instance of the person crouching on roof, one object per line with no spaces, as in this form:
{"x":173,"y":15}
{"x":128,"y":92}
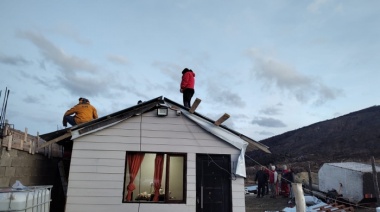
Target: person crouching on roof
{"x":83,"y":112}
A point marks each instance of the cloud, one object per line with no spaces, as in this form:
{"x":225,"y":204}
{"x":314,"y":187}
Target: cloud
{"x":304,"y":88}
{"x":77,"y":75}
{"x":118,"y":59}
{"x":265,"y":133}
{"x":315,"y":6}
{"x":72,"y":33}
{"x":9,"y":60}
{"x":31,"y":99}
{"x":66,"y":62}
{"x":271,"y":111}
{"x":222,"y":95}
{"x":268,"y":122}
{"x":173,"y":71}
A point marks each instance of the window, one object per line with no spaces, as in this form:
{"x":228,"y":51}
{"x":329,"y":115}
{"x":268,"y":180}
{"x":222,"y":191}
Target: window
{"x":155,"y":177}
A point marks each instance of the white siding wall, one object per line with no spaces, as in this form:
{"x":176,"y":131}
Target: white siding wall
{"x":98,"y":162}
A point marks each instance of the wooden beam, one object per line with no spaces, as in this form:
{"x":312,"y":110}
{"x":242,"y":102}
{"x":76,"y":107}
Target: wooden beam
{"x":222,"y":119}
{"x":63,"y":177}
{"x":55,"y":140}
{"x":25,"y":139}
{"x":10,"y":138}
{"x":37,"y":142}
{"x":174,"y":107}
{"x":195,"y":105}
{"x":257,"y":145}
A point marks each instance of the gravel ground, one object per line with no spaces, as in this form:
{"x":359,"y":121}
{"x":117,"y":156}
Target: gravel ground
{"x":253,"y":204}
{"x":267,"y":204}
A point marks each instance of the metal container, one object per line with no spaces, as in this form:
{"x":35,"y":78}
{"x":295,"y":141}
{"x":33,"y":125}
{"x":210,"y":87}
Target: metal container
{"x":354,"y":181}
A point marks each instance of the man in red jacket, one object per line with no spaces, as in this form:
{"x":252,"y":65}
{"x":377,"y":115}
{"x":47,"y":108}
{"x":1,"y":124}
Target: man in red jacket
{"x":187,"y":86}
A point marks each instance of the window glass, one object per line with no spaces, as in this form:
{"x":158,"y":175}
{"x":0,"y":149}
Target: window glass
{"x":176,"y":177}
{"x":154,"y":177}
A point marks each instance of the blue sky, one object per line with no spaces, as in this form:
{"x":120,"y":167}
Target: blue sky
{"x":273,"y":66}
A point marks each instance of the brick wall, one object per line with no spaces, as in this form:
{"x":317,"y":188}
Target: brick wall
{"x":27,"y":168}
{"x":32,"y":170}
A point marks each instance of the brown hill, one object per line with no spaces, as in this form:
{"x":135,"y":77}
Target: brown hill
{"x":351,"y":137}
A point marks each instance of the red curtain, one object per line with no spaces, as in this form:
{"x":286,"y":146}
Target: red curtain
{"x":158,"y":168}
{"x":134,"y":162}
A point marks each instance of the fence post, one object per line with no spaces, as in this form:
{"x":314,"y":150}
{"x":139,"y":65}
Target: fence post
{"x":375,"y":182}
{"x":299,"y":197}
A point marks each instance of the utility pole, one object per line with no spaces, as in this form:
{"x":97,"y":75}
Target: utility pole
{"x":375,"y":182}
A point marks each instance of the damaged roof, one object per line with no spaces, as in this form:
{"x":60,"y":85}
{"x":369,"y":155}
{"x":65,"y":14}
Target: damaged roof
{"x":64,"y":137}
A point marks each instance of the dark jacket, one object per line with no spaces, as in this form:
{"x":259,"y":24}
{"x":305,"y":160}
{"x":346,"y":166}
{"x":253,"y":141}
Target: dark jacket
{"x":261,"y":176}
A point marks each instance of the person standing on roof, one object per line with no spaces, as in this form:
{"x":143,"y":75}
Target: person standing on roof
{"x":83,"y":112}
{"x":187,"y":86}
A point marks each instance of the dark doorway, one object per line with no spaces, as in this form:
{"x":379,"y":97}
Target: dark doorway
{"x":213,"y":183}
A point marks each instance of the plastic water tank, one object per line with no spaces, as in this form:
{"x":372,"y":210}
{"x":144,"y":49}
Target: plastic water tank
{"x":29,"y":199}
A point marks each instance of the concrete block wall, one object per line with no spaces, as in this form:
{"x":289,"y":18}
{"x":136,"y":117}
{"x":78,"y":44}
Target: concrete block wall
{"x":29,"y":169}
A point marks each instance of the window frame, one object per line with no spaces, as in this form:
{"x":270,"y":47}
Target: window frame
{"x":167,"y":199}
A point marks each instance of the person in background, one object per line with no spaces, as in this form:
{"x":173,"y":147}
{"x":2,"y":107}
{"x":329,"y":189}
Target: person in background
{"x":187,"y":86}
{"x":267,"y":170}
{"x":83,"y":112}
{"x":261,"y":178}
{"x":284,"y":181}
{"x":273,"y":181}
{"x":290,"y":178}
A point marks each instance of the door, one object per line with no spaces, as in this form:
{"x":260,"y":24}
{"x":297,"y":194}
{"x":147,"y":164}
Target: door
{"x":213,"y":185}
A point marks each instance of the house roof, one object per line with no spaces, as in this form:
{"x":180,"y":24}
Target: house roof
{"x":238,"y":140}
{"x":64,"y":136}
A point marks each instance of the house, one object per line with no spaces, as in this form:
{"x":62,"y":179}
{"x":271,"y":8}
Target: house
{"x":155,"y":156}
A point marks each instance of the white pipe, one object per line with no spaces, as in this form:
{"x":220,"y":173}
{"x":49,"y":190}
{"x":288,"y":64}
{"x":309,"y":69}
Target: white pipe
{"x":299,"y":197}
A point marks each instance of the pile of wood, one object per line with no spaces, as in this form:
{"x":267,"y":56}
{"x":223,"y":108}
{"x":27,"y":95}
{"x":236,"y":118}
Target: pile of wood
{"x":335,"y":207}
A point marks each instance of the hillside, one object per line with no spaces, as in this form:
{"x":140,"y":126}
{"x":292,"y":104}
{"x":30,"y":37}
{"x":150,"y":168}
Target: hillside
{"x":351,"y":137}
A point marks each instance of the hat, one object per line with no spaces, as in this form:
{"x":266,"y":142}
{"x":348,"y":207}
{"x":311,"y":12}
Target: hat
{"x":185,"y":70}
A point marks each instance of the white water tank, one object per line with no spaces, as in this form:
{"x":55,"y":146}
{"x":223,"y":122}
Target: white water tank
{"x":29,"y":199}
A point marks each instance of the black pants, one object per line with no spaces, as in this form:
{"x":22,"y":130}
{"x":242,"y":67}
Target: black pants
{"x":187,"y":94}
{"x":261,"y":189}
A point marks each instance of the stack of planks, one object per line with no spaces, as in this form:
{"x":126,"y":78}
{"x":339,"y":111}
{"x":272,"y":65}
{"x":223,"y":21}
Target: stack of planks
{"x":334,"y":207}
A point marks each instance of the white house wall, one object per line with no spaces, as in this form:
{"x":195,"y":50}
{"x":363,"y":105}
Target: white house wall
{"x":97,"y":168}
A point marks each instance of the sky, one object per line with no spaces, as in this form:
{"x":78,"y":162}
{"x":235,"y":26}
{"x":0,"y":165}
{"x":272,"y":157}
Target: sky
{"x":273,"y":66}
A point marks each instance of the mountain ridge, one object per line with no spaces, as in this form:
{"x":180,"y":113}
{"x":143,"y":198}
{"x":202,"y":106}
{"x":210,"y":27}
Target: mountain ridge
{"x":351,"y":137}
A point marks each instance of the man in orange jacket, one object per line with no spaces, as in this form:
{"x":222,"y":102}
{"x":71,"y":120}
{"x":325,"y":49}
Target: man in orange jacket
{"x":84,"y":112}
